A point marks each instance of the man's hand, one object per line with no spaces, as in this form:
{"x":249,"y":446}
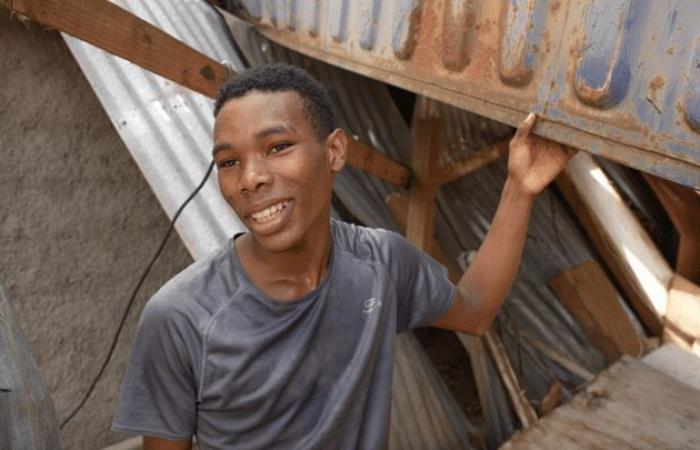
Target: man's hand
{"x":534,"y":161}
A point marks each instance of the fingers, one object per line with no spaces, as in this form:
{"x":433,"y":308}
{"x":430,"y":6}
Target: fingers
{"x":525,"y":126}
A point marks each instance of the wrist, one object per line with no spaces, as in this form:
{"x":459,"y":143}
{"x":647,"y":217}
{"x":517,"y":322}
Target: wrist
{"x":516,"y":192}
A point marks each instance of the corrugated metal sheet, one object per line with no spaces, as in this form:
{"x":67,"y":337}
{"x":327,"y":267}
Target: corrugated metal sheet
{"x":618,"y":78}
{"x":167,"y":127}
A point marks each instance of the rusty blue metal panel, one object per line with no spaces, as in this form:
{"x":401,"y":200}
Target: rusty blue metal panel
{"x":603,"y":71}
{"x":523,"y":23}
{"x":617,"y":78}
{"x":368,"y":22}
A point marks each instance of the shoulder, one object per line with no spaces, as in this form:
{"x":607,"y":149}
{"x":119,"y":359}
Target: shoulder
{"x":193,"y":295}
{"x":374,"y":244}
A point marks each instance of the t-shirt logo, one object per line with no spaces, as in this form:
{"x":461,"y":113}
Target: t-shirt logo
{"x":370,"y":305}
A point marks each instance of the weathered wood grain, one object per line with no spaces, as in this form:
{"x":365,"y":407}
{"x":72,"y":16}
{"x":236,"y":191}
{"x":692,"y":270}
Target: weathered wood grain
{"x":587,"y":293}
{"x":630,"y":405}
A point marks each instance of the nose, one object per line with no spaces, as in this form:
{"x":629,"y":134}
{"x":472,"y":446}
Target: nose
{"x":254,"y":175}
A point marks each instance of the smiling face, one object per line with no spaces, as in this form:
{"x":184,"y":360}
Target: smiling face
{"x":273,"y":169}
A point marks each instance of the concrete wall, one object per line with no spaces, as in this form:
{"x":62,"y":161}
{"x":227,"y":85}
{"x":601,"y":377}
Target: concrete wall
{"x":78,"y":223}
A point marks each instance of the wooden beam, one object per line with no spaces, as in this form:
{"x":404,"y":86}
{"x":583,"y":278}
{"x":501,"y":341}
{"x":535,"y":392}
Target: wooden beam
{"x":683,"y":207}
{"x":424,"y":163}
{"x":589,"y":296}
{"x":521,"y":405}
{"x":619,"y":238}
{"x":364,"y":157}
{"x":121,"y":33}
{"x":398,"y":207}
{"x":472,"y":163}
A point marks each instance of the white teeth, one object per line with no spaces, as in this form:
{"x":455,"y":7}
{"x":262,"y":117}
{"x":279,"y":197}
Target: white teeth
{"x":267,"y":213}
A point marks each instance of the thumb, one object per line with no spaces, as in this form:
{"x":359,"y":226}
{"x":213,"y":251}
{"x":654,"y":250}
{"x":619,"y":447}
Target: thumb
{"x":525,"y":126}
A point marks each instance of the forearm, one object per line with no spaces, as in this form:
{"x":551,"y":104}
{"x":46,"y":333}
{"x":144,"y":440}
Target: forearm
{"x":488,"y":279}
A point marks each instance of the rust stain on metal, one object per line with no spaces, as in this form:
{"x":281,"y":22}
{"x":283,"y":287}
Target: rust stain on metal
{"x":414,"y":29}
{"x":456,"y":34}
{"x":577,"y":66}
{"x":657,"y":83}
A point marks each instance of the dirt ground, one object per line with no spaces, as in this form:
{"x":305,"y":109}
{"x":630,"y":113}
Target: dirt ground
{"x":78,"y":223}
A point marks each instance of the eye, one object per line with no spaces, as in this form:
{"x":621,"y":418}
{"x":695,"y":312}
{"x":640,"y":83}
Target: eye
{"x":279,"y":147}
{"x":226,"y":163}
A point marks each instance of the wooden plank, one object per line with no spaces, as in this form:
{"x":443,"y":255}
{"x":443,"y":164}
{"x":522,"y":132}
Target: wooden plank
{"x":472,"y":163}
{"x":630,"y":405}
{"x":589,"y":296}
{"x":683,"y":207}
{"x":676,"y":362}
{"x":426,"y":129}
{"x":520,"y":403}
{"x":364,"y":157}
{"x":683,"y":313}
{"x":121,"y":33}
{"x":622,"y":242}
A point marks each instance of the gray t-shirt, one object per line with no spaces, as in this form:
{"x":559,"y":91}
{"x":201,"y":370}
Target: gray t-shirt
{"x":215,"y":357}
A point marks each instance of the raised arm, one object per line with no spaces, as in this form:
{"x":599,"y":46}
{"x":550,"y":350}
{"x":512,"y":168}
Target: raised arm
{"x":533,"y":162}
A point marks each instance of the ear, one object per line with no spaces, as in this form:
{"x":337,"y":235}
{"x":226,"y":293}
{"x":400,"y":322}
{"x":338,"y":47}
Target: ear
{"x":337,"y":145}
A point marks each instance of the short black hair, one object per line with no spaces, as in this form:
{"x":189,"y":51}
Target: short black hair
{"x":279,"y":78}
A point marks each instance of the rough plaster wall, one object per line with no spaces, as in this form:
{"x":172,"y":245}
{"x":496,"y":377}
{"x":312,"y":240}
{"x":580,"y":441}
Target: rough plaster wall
{"x":78,"y":224}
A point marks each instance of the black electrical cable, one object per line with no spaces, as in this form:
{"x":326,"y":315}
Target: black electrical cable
{"x":133,"y":297}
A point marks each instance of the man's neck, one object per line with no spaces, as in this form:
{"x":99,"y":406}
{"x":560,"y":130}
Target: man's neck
{"x":290,"y":274}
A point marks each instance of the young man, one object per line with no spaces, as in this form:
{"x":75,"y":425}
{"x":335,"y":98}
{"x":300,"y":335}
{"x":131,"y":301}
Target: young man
{"x":284,"y":337}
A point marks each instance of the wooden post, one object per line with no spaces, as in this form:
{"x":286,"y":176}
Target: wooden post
{"x":398,"y":207}
{"x":426,"y":133}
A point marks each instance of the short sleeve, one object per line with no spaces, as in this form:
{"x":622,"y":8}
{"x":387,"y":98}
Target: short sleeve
{"x":158,"y":396}
{"x":424,"y":291}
